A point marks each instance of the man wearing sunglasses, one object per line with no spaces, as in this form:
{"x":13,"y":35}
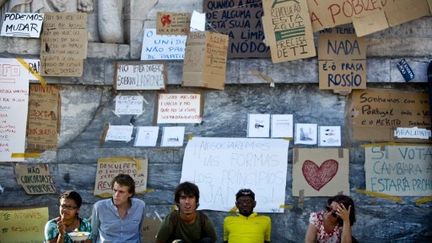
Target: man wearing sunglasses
{"x":247,"y":226}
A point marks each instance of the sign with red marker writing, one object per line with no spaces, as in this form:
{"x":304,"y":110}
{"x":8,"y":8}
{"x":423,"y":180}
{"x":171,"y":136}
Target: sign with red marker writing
{"x":179,"y":108}
{"x":108,"y":168}
{"x":44,"y":117}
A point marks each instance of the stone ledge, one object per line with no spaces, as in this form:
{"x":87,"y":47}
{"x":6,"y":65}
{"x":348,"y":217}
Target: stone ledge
{"x":21,"y":46}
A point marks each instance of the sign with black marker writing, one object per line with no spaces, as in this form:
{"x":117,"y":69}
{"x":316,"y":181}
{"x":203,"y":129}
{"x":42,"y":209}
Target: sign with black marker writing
{"x":179,"y":108}
{"x":140,"y":76}
{"x":222,"y":166}
{"x":342,"y":60}
{"x":108,"y":168}
{"x":22,"y":25}
{"x":376,"y":113}
{"x":399,"y":170}
{"x":24,"y":225}
{"x":288,"y":30}
{"x":35,"y":178}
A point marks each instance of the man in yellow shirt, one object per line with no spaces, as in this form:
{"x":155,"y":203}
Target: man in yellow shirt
{"x":247,"y":226}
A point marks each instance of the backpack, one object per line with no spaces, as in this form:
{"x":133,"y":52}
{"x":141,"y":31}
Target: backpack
{"x":174,"y":222}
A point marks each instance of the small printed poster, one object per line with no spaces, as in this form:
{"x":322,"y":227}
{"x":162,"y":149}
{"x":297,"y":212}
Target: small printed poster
{"x":306,"y":133}
{"x":329,"y":136}
{"x":258,"y":125}
{"x":172,"y":136}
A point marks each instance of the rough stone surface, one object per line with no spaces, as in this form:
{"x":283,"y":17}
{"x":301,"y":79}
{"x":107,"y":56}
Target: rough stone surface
{"x":88,"y":103}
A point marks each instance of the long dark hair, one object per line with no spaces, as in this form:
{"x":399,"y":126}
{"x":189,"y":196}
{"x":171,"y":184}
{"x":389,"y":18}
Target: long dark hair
{"x":346,"y":201}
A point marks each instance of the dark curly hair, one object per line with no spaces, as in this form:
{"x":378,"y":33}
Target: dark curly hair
{"x":124,"y":180}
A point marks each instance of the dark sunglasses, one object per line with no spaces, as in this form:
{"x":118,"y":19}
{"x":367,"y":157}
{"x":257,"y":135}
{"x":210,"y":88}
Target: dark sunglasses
{"x":333,"y":212}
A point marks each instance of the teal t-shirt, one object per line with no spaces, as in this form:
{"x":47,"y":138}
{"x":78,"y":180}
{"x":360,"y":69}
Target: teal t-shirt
{"x":51,"y":230}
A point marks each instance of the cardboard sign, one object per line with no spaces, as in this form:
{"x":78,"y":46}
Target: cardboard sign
{"x":179,"y":108}
{"x":392,"y":14}
{"x":23,"y":225}
{"x":162,"y":47}
{"x":170,"y":23}
{"x":108,"y":168}
{"x":341,"y":59}
{"x":320,"y":172}
{"x":140,"y":76}
{"x":376,"y":113}
{"x":241,"y":21}
{"x":222,"y":166}
{"x":205,"y":60}
{"x":14,"y":89}
{"x":44,"y":117}
{"x":64,"y":44}
{"x":288,"y":30}
{"x":399,"y":170}
{"x":430,"y":5}
{"x":35,"y":178}
{"x":22,"y":25}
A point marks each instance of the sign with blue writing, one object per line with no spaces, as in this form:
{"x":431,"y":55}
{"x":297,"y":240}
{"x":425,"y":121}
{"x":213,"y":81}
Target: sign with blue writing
{"x":405,"y":70}
{"x":162,"y":47}
{"x":399,"y":170}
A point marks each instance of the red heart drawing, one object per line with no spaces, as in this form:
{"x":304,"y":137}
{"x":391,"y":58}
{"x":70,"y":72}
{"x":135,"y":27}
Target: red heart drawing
{"x":319,"y":176}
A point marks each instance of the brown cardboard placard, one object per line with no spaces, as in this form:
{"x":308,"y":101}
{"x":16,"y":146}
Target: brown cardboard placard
{"x":205,"y":60}
{"x":341,"y":59}
{"x":108,"y":168}
{"x":288,"y":30}
{"x":140,"y":76}
{"x":172,"y":23}
{"x":392,"y":14}
{"x":173,"y":108}
{"x":430,"y":6}
{"x":43,"y":118}
{"x":63,"y":44}
{"x":23,"y":224}
{"x":374,"y":114}
{"x":320,"y":172}
{"x":35,"y":178}
{"x":241,"y":21}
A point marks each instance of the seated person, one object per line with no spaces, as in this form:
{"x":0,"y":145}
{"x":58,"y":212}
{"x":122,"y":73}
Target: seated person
{"x":56,"y":229}
{"x":334,"y":223}
{"x":247,"y":226}
{"x":187,"y":225}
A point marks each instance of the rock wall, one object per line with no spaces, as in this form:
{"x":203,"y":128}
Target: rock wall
{"x":87,"y":104}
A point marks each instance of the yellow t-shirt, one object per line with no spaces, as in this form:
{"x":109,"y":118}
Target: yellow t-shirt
{"x":252,"y":229}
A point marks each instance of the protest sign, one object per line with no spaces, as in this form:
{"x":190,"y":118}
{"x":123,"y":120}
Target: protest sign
{"x":140,"y":76}
{"x":179,"y":108}
{"x":288,"y":30}
{"x":162,"y":47}
{"x":399,"y":170}
{"x":341,"y":60}
{"x":64,"y":44}
{"x":320,"y":172}
{"x":22,"y":25}
{"x":172,"y":23}
{"x":376,"y":113}
{"x":205,"y":60}
{"x":222,"y":166}
{"x":35,"y":178}
{"x":108,"y":168}
{"x":24,"y":225}
{"x":44,"y":117}
{"x":241,"y":21}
